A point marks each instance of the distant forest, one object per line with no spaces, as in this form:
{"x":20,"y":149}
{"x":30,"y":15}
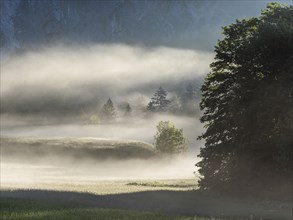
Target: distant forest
{"x":180,"y":103}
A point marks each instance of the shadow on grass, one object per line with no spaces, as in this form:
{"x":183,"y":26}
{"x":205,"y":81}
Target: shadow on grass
{"x":184,"y":203}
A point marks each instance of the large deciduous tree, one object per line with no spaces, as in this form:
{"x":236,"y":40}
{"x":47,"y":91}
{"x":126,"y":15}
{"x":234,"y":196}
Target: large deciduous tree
{"x":247,"y":100}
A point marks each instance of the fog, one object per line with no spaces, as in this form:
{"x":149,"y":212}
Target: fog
{"x":18,"y":172}
{"x":69,"y":78}
{"x":143,"y":129}
{"x":54,"y":87}
{"x":47,"y":92}
{"x":29,"y":169}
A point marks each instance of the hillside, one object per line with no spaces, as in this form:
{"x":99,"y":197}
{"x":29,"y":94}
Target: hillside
{"x":14,"y":148}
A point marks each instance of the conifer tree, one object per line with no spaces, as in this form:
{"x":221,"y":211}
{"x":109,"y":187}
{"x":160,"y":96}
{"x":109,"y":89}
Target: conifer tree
{"x":159,"y":101}
{"x":189,"y":100}
{"x":128,"y":110}
{"x":107,"y":112}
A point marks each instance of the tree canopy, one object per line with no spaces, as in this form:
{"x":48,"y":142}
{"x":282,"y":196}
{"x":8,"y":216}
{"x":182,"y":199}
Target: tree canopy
{"x":247,"y":100}
{"x":169,"y":139}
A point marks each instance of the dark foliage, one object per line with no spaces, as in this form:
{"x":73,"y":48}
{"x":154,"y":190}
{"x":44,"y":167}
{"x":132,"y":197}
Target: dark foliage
{"x":248,"y":108}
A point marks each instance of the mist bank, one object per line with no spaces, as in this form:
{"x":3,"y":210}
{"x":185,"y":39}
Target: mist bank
{"x":41,"y":160}
{"x":78,"y":159}
{"x":90,"y":172}
{"x":62,"y":80}
{"x":134,"y":128}
{"x":51,"y":92}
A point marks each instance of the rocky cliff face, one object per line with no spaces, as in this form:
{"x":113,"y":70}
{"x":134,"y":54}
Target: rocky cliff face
{"x":191,"y":24}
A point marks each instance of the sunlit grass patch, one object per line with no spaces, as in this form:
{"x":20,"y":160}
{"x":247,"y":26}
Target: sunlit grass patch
{"x":160,"y":184}
{"x":108,"y":187}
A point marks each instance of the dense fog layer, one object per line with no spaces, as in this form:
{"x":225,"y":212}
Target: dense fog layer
{"x":135,"y":128}
{"x":169,"y":168}
{"x":64,"y":80}
{"x":55,"y":87}
{"x":51,"y":92}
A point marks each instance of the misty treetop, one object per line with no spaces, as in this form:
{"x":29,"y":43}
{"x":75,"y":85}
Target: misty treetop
{"x":108,"y":113}
{"x":159,"y":101}
{"x":182,"y":102}
{"x":247,"y":100}
{"x":128,"y":110}
{"x":189,"y":100}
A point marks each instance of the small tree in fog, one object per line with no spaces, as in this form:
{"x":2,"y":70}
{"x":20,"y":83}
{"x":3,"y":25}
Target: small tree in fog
{"x":128,"y":110}
{"x":175,"y":105}
{"x":107,"y":112}
{"x":159,"y":101}
{"x":169,"y":139}
{"x":189,"y":104}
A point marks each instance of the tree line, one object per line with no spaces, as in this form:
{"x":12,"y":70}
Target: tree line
{"x":160,"y":102}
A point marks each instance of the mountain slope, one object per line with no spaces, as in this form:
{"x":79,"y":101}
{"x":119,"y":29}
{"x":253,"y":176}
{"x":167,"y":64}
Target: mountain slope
{"x":192,"y":24}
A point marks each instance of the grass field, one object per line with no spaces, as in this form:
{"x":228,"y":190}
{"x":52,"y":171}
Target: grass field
{"x":138,"y":200}
{"x":106,"y":187}
{"x":25,"y":209}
